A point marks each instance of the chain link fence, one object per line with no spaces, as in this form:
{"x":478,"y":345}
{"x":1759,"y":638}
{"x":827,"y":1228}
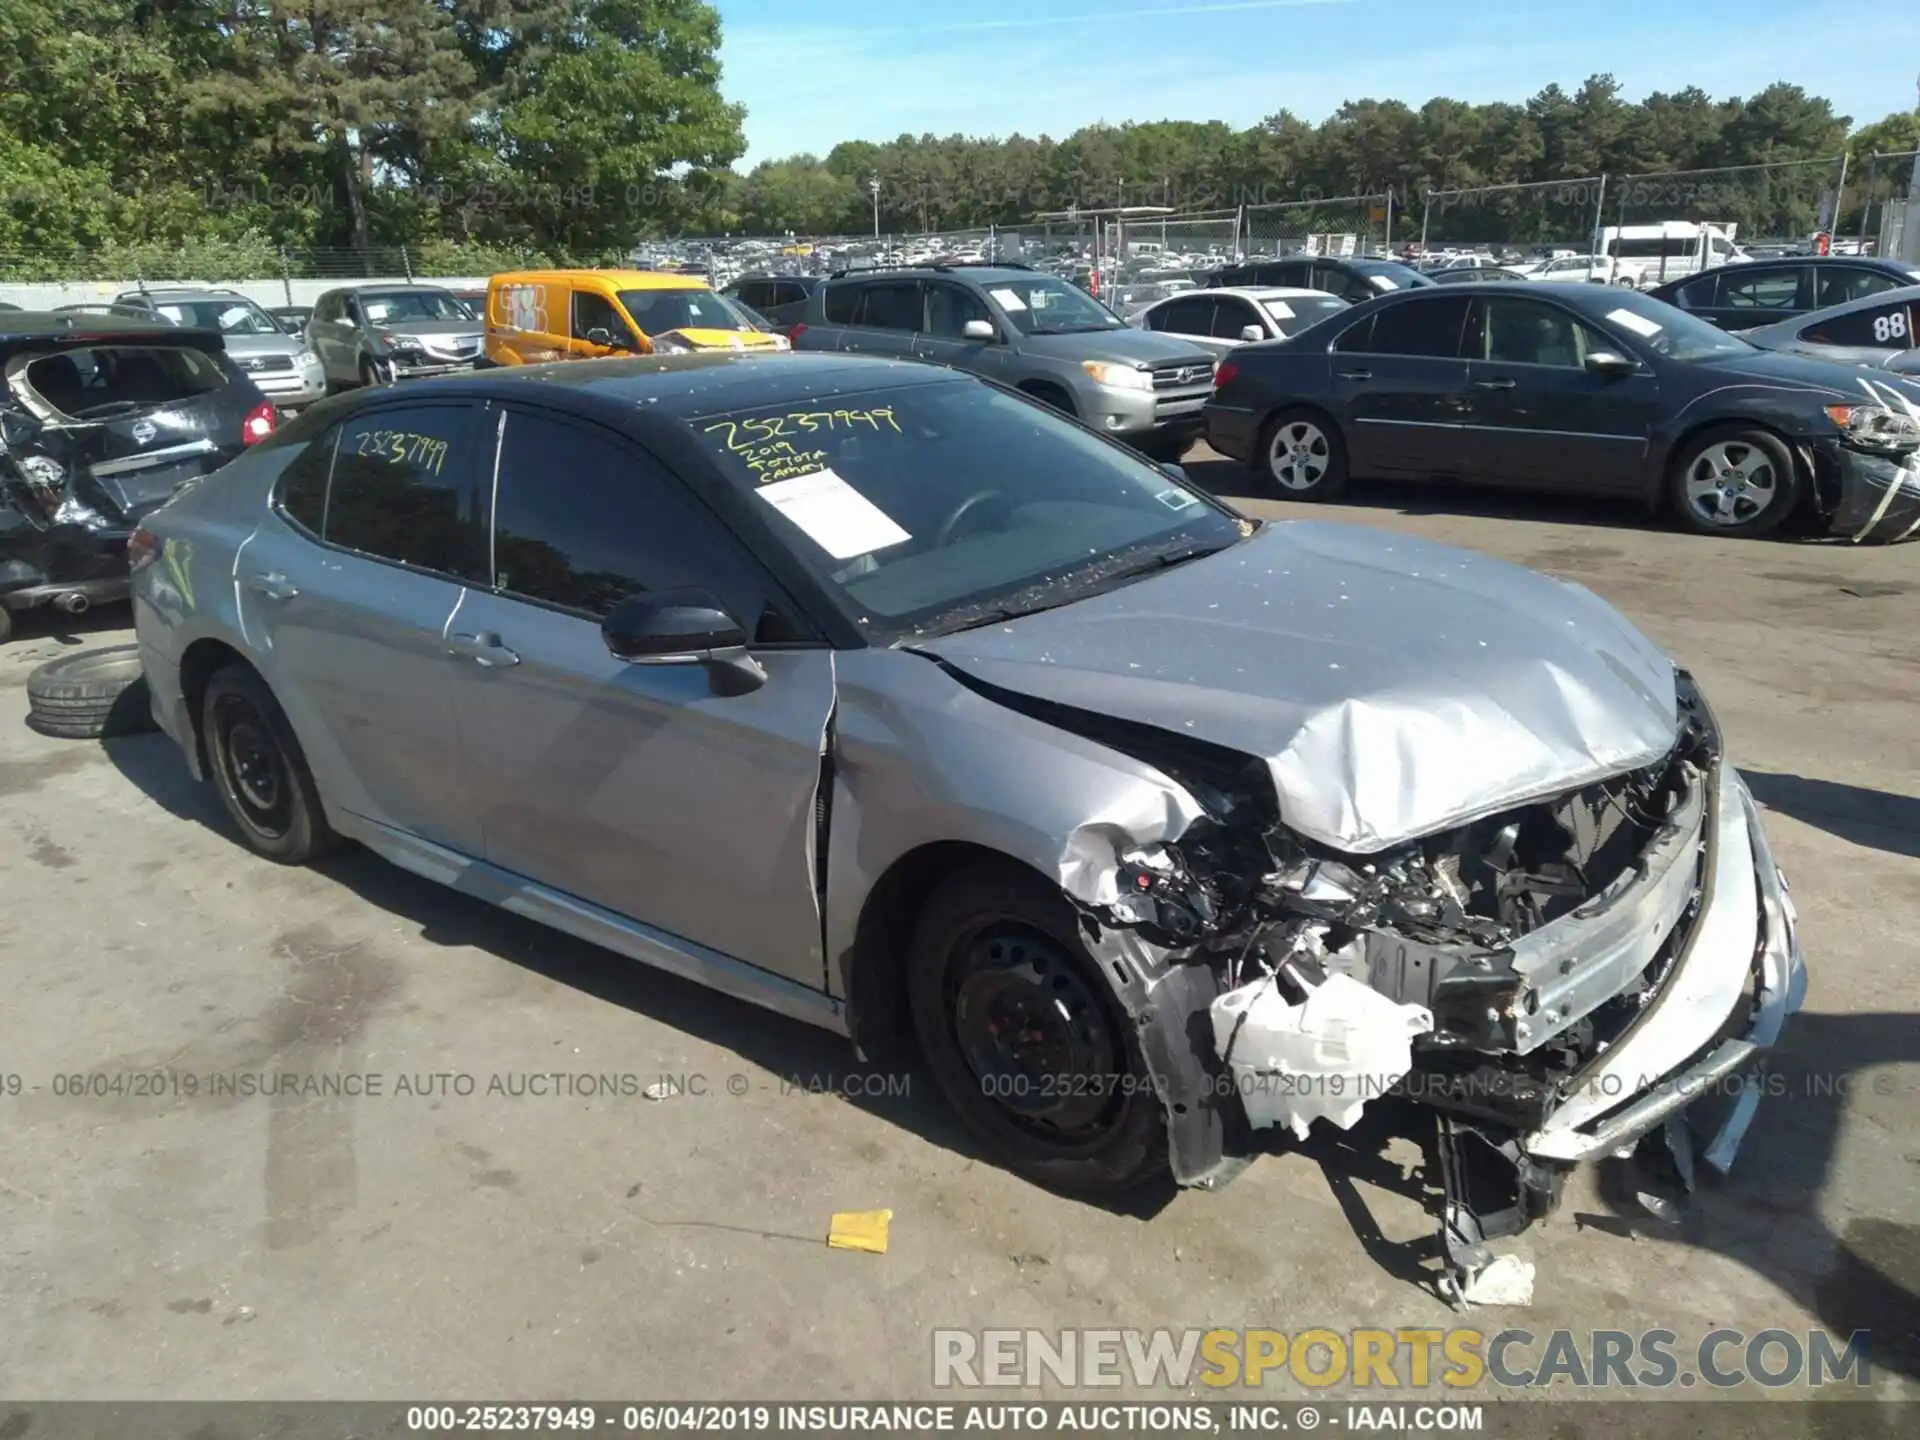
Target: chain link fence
{"x":1545,"y":215}
{"x":1329,"y":225}
{"x":1782,"y":203}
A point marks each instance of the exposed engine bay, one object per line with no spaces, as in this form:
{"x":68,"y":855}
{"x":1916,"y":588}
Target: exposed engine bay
{"x":1434,"y":972}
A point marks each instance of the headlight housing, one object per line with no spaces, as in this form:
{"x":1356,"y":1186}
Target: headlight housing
{"x":1875,"y":427}
{"x":305,"y":360}
{"x":1117,"y":377}
{"x":402,"y":344}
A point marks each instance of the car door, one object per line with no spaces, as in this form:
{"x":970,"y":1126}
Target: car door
{"x":1400,"y":384}
{"x":1189,"y":318}
{"x":887,"y":320}
{"x":1759,"y":294}
{"x":1538,"y":416}
{"x":345,"y":590}
{"x":646,"y":789}
{"x":949,"y":308}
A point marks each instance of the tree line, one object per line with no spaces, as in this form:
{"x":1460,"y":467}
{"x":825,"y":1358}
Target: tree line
{"x":576,"y":127}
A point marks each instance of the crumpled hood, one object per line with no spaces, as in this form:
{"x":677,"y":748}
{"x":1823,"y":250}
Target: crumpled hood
{"x":1395,"y":687}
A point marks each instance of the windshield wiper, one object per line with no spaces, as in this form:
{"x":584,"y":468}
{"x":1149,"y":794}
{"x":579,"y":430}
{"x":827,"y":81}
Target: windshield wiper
{"x":1094,"y":578}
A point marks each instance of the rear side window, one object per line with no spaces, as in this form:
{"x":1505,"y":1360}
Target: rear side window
{"x":1880,"y":327}
{"x":302,"y":491}
{"x":1698,"y":294}
{"x":583,"y":519}
{"x":101,"y":381}
{"x":1429,"y":328}
{"x":404,"y":489}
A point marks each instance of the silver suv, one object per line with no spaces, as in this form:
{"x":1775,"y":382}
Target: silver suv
{"x":281,"y":366}
{"x":1025,"y":329}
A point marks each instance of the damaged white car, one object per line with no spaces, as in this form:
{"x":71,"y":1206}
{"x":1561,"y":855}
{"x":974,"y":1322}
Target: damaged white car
{"x":897,"y":702}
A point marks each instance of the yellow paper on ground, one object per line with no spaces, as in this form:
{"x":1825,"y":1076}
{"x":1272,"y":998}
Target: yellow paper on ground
{"x":860,"y":1230}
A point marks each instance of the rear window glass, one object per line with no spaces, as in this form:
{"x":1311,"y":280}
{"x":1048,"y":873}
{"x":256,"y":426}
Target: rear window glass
{"x":99,"y":381}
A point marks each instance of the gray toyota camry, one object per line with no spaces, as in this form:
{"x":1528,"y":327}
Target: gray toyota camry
{"x":901,"y":704}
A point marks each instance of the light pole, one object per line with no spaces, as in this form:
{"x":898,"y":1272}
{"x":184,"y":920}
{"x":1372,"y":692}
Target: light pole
{"x":873,"y":184}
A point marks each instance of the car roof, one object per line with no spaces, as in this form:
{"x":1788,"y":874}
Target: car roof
{"x":618,"y":279}
{"x":698,"y":383}
{"x":180,"y":292}
{"x":42,"y":324}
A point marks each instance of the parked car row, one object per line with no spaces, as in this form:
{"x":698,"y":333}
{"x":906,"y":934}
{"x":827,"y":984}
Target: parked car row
{"x":1582,"y":388}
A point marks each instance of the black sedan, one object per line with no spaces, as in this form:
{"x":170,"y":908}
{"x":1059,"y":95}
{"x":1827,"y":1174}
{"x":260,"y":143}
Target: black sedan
{"x":1578,"y":388}
{"x":1759,"y":292}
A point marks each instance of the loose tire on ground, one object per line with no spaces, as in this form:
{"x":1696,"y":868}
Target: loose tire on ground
{"x":259,"y":771}
{"x":95,"y":694}
{"x":991,"y":939}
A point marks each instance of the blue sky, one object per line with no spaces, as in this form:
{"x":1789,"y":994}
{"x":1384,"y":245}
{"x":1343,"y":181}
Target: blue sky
{"x":814,"y":72}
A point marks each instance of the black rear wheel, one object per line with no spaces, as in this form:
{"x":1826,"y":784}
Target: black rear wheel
{"x":1027,"y":1040}
{"x":259,"y":770}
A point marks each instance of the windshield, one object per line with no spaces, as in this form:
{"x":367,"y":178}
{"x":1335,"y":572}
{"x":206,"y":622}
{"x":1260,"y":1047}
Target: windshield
{"x":229,"y":317}
{"x":1046,"y":306}
{"x":658,"y":311}
{"x":396,"y":307}
{"x":934,"y":507}
{"x":1670,"y":331}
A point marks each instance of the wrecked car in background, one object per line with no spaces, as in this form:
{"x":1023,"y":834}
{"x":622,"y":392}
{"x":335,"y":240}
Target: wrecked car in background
{"x":898,"y":702}
{"x":101,"y":419}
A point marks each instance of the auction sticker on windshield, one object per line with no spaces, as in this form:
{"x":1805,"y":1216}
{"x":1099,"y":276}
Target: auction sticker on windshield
{"x":1009,"y":299}
{"x":1639,"y":324}
{"x":834,"y":515}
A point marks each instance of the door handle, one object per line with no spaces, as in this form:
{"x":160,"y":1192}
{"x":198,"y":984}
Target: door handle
{"x":1501,"y":384}
{"x":1356,"y":374}
{"x":274,"y":586}
{"x":483,"y":649}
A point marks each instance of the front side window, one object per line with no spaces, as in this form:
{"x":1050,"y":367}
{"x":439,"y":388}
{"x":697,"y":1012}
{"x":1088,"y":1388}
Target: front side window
{"x":1422,"y":327}
{"x":1041,"y":305}
{"x":1526,"y":332}
{"x":1879,"y":327}
{"x":950,"y":307}
{"x":1839,"y":285}
{"x":403,"y":489}
{"x":595,"y":312}
{"x":840,"y":304}
{"x":658,"y":311}
{"x":584,"y":519}
{"x":939,"y":505}
{"x":1231,"y":316}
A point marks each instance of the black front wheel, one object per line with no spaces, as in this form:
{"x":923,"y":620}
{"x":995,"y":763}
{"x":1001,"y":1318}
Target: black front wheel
{"x":259,"y":770}
{"x":1027,"y":1040}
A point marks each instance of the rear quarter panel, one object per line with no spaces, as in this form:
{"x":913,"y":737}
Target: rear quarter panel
{"x":188,"y":593}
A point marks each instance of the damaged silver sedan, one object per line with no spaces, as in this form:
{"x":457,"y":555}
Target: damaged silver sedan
{"x":898,"y":703}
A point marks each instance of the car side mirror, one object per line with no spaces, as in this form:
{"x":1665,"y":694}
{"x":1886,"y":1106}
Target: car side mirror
{"x":683,"y":627}
{"x":1609,"y":362}
{"x":977,"y":330}
{"x":1252,"y":332}
{"x":1177,"y":471}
